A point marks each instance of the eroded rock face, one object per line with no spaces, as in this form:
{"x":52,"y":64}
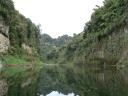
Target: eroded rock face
{"x":4,"y":36}
{"x":27,"y":48}
{"x":4,"y":43}
{"x":3,"y":88}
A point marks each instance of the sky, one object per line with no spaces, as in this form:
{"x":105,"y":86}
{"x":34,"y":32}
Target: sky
{"x":58,"y":17}
{"x":55,"y":93}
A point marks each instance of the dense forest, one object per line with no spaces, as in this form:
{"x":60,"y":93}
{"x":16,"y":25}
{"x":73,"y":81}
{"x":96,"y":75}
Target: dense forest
{"x":49,"y":46}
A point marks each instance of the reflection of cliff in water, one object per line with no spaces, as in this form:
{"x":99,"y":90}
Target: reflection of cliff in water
{"x":91,"y":82}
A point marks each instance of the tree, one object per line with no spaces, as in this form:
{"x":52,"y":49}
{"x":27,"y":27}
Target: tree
{"x":7,"y":4}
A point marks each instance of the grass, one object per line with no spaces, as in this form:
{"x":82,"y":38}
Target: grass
{"x":15,"y":64}
{"x":11,"y":59}
{"x":18,"y":71}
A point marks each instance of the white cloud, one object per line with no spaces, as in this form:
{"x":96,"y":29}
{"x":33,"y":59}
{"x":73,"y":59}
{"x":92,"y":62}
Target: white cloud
{"x":58,"y":17}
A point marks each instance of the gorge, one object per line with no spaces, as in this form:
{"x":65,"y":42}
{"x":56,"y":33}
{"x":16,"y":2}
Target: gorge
{"x":91,"y":63}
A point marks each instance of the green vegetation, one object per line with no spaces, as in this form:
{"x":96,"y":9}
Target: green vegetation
{"x":21,"y":63}
{"x":93,"y":62}
{"x":21,"y":31}
{"x":98,"y":56}
{"x":49,"y":45}
{"x":6,"y":9}
{"x":106,"y":19}
{"x":104,"y":39}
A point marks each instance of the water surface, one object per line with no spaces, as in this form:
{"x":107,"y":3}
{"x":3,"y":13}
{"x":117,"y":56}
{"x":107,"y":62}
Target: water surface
{"x":80,"y":81}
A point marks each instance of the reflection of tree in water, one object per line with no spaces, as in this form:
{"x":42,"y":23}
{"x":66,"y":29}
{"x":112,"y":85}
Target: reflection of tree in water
{"x":55,"y":78}
{"x":83,"y":82}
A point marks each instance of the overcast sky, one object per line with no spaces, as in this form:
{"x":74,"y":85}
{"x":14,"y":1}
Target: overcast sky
{"x":58,"y":17}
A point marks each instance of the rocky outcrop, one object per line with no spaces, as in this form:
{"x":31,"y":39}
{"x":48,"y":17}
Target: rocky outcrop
{"x":4,"y":36}
{"x":4,"y":43}
{"x":27,"y":48}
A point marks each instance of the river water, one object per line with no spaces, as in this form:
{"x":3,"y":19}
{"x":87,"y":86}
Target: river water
{"x":77,"y":81}
{"x":65,"y":80}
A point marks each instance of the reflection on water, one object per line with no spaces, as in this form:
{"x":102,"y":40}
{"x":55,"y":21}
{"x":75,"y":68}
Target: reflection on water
{"x":98,"y":81}
{"x":55,"y":93}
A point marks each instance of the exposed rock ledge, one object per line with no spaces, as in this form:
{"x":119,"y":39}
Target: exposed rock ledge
{"x":27,"y":48}
{"x":4,"y":43}
{"x":4,"y":36}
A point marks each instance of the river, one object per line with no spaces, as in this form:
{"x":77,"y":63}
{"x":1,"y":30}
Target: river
{"x":66,"y":80}
{"x":78,"y":81}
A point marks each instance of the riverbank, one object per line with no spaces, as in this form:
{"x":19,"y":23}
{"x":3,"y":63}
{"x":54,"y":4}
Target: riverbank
{"x":20,"y":74}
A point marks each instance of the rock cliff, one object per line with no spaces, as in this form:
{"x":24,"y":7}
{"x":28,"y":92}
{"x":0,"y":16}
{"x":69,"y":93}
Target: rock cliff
{"x":4,"y":36}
